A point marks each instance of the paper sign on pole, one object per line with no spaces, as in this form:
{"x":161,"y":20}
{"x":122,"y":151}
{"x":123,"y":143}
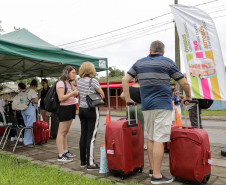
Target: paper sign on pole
{"x":202,"y":54}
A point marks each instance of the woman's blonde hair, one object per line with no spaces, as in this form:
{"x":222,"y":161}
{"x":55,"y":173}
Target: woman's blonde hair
{"x":87,"y":69}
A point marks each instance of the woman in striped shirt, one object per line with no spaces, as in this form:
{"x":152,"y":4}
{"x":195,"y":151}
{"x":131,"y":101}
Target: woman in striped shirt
{"x":89,"y":117}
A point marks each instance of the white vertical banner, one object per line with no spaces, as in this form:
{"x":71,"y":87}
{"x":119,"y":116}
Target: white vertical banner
{"x":201,"y":50}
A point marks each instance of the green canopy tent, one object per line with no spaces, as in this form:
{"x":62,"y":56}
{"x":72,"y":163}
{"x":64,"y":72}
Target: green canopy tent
{"x":24,"y":55}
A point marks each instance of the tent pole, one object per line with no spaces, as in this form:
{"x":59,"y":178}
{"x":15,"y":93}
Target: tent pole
{"x":41,"y":74}
{"x":109,"y":106}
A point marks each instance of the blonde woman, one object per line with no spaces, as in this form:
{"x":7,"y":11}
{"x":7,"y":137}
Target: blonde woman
{"x":66,"y":112}
{"x":89,"y":117}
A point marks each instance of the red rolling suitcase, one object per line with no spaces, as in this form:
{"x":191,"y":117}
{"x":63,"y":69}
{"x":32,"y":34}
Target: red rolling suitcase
{"x":124,"y":146}
{"x":40,"y":131}
{"x":190,"y":156}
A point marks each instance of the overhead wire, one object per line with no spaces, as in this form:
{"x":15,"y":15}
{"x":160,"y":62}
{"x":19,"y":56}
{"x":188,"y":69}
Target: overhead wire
{"x":217,"y":11}
{"x":219,"y":16}
{"x":206,"y":2}
{"x":97,"y":47}
{"x":116,"y":29}
{"x":215,"y":7}
{"x":134,"y":32}
{"x":126,"y":39}
{"x":137,"y":31}
{"x":130,"y":37}
{"x":119,"y":29}
{"x":133,"y":35}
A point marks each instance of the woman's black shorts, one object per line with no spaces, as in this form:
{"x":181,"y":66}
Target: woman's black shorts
{"x":67,"y":112}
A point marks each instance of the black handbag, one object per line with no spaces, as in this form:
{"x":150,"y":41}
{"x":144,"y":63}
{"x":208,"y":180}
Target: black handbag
{"x":94,"y":99}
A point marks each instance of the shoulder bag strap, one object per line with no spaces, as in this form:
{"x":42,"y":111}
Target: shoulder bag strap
{"x":65,"y":90}
{"x":90,"y":81}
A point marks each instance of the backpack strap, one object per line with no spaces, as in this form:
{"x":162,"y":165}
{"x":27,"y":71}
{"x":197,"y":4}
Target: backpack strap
{"x":65,"y":85}
{"x":29,"y":101}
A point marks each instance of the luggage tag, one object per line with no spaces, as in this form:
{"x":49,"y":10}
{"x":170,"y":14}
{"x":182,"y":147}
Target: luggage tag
{"x":211,"y":162}
{"x":112,"y":152}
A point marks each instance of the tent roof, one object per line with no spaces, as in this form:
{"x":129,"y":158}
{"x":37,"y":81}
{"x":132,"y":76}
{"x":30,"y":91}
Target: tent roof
{"x":24,"y":55}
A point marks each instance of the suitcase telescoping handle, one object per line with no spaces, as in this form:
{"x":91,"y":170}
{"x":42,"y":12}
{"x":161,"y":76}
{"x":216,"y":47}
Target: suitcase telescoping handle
{"x":197,"y":105}
{"x":37,"y":113}
{"x":128,"y":106}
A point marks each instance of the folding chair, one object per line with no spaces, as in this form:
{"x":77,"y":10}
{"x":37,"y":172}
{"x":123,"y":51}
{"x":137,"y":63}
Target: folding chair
{"x":3,"y":124}
{"x":16,"y":126}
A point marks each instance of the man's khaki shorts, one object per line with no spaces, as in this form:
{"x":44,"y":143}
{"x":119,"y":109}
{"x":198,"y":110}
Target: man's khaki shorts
{"x":157,"y":124}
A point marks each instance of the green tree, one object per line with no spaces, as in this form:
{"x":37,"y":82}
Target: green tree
{"x":27,"y":81}
{"x":115,"y":72}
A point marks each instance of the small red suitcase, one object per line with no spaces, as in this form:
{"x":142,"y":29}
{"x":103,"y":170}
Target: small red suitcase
{"x":190,"y":156}
{"x":41,"y":131}
{"x":124,"y":146}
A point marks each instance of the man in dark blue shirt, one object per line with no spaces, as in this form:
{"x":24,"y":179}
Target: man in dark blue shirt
{"x":154,"y":73}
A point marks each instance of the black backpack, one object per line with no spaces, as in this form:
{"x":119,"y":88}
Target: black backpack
{"x":51,"y":100}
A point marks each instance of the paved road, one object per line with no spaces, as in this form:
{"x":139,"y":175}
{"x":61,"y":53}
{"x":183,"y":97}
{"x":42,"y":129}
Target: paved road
{"x":215,"y":128}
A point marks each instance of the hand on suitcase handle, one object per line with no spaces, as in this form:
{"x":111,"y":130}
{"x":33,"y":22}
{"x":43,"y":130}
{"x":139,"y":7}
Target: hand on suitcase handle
{"x":129,"y":100}
{"x":186,"y":100}
{"x":193,"y":101}
{"x":131,"y":104}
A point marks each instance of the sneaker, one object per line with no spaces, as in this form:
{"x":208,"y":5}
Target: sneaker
{"x":12,"y":138}
{"x":162,"y":180}
{"x":150,"y":173}
{"x":64,"y":158}
{"x":69,"y":154}
{"x":21,"y":140}
{"x":83,"y":165}
{"x":92,"y":167}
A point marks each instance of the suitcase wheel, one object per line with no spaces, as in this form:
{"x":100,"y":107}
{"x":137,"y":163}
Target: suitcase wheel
{"x":141,"y":170}
{"x":123,"y":177}
{"x":136,"y":170}
{"x":206,"y":179}
{"x":223,"y":152}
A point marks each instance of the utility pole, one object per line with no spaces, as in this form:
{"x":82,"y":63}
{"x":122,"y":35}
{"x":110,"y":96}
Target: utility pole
{"x":177,"y":52}
{"x":177,"y":45}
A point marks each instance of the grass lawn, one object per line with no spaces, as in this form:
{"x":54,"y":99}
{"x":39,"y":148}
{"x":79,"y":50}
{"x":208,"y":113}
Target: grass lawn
{"x":204,"y":112}
{"x":212,"y":113}
{"x":15,"y":170}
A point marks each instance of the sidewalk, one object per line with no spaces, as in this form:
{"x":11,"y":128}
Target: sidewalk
{"x":47,"y":154}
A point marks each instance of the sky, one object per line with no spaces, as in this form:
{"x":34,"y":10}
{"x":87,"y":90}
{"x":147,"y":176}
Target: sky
{"x":59,"y":22}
